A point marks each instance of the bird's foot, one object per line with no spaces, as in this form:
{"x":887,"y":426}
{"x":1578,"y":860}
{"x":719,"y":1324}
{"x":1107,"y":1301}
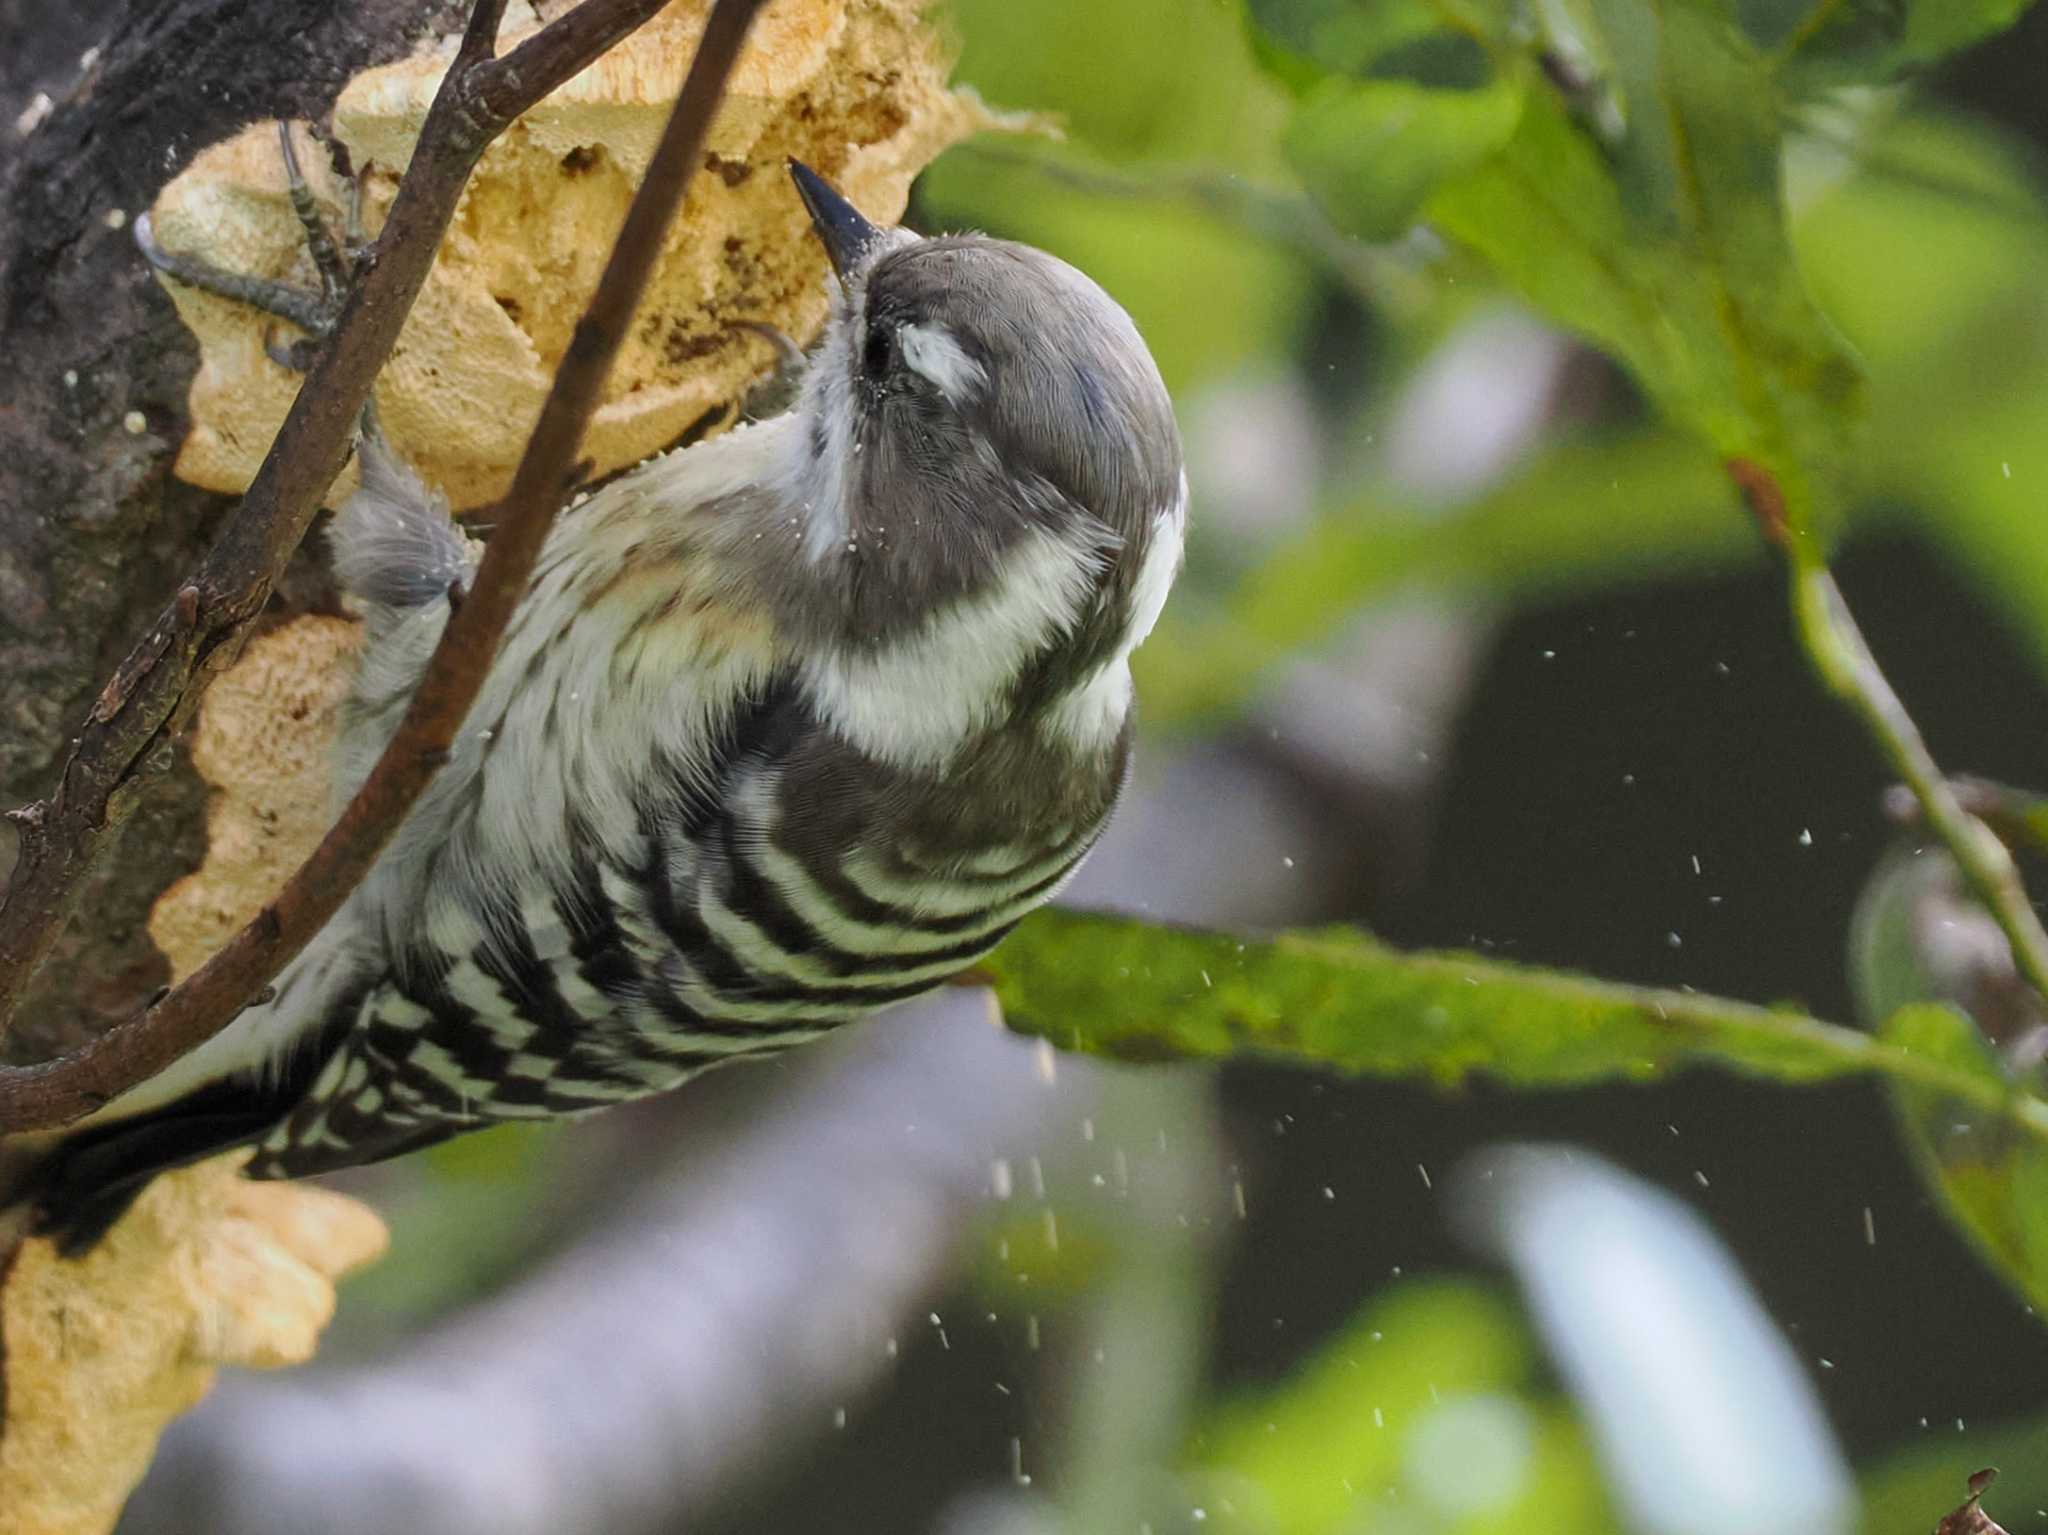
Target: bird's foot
{"x":311,"y":310}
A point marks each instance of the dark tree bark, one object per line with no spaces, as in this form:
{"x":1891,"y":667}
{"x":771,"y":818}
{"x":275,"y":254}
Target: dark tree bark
{"x":93,"y":531}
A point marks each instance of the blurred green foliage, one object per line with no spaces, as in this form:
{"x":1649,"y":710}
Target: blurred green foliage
{"x":1922,"y":238}
{"x":1149,"y":80}
{"x":1617,"y":166}
{"x":1915,"y":235}
{"x":1425,"y":1413}
{"x":1797,"y":263}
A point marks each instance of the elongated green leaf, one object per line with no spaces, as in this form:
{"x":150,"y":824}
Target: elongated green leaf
{"x":1121,"y":987}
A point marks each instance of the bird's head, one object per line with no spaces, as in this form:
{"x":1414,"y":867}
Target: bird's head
{"x":988,"y":444}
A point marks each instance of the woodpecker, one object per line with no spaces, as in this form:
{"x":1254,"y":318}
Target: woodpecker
{"x":789,"y":725}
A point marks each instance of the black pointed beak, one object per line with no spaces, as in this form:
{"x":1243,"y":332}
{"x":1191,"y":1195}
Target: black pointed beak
{"x":849,"y":239}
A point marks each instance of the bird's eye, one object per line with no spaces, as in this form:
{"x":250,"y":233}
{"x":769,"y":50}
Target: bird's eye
{"x":880,"y":351}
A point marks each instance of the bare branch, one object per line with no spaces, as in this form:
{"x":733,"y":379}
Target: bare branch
{"x":480,"y":36}
{"x":59,"y":1091}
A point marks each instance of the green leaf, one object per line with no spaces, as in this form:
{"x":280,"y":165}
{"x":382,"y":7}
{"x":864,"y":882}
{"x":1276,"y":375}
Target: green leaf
{"x":1373,"y":151}
{"x":1133,"y":990}
{"x":1920,"y":959}
{"x":1667,"y":246}
{"x":1618,"y":166}
{"x":1994,"y":1183}
{"x":1842,"y":41}
{"x":1398,"y":97}
{"x":1637,"y":199}
{"x":1433,"y":42}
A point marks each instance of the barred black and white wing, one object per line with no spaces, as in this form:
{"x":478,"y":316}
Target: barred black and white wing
{"x":720,"y":937}
{"x":584,"y":912}
{"x":623,"y":682}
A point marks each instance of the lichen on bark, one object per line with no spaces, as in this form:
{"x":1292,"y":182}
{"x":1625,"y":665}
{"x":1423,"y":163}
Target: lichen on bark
{"x":100,"y":1353}
{"x":855,"y":88}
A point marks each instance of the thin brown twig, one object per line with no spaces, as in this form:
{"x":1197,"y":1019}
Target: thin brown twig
{"x":153,"y":691}
{"x":58,"y":1091}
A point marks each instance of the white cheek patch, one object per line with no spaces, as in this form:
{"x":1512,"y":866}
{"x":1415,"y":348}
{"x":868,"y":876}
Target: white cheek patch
{"x":1089,"y":717}
{"x":915,"y":702}
{"x":1156,"y":575}
{"x":931,"y":350}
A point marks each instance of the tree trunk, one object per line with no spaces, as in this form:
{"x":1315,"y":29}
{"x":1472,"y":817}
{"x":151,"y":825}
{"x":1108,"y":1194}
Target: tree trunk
{"x":101,"y":102}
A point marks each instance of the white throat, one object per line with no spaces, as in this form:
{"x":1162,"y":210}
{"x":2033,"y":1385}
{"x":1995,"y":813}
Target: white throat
{"x":914,"y":702}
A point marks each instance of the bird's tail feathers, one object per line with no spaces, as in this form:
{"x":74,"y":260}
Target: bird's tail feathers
{"x":76,"y":1182}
